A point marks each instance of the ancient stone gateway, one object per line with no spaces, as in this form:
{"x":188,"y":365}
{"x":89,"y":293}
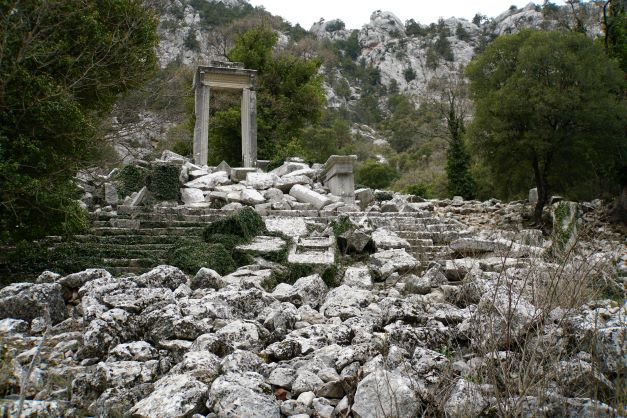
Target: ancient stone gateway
{"x":221,"y":75}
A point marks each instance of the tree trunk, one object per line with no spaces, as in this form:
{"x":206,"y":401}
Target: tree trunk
{"x":543,"y":191}
{"x":619,"y":210}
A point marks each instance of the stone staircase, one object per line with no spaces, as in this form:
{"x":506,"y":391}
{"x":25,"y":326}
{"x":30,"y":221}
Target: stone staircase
{"x":134,"y":240}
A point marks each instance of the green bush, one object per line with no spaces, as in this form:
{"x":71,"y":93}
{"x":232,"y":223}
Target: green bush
{"x":191,"y":257}
{"x":246,"y":223}
{"x":418,"y":189}
{"x":383,"y":196}
{"x":293,"y":272}
{"x":164,"y":181}
{"x":131,"y":178}
{"x":341,"y":225}
{"x":183,"y":147}
{"x":376,"y":175}
{"x":409,"y":74}
{"x":335,"y":25}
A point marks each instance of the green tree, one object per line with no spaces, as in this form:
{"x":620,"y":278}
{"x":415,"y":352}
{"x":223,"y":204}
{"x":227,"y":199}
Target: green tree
{"x":376,"y":175}
{"x":615,"y":30}
{"x":449,"y":97}
{"x":289,"y":97}
{"x":62,"y":66}
{"x":548,"y":111}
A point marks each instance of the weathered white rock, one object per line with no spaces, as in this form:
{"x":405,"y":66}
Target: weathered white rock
{"x":111,"y":194}
{"x":313,"y":250}
{"x":312,"y":290}
{"x":241,"y":361}
{"x":282,"y":377}
{"x":466,"y":400}
{"x":240,"y":334}
{"x":533,"y":196}
{"x":28,"y":301}
{"x":261,"y":181}
{"x":384,"y":394}
{"x":172,"y":157}
{"x":365,"y":197}
{"x":207,"y":279}
{"x":433,"y":277}
{"x":285,"y":184}
{"x":386,"y":240}
{"x":305,"y":381}
{"x":288,"y":167}
{"x":177,"y":395}
{"x":128,"y":373}
{"x":345,"y":302}
{"x":10,"y":326}
{"x":135,"y":351}
{"x":476,"y":245}
{"x":191,"y":195}
{"x":292,"y":227}
{"x":209,"y":181}
{"x":77,"y":280}
{"x":162,"y":276}
{"x":309,"y":172}
{"x":202,"y":365}
{"x":305,"y":195}
{"x":243,"y":395}
{"x":251,"y":197}
{"x":264,"y":245}
{"x":358,"y":277}
{"x":390,"y":261}
{"x":138,"y":198}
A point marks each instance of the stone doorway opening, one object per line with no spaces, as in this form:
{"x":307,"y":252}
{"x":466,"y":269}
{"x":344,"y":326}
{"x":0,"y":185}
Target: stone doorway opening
{"x":229,"y":76}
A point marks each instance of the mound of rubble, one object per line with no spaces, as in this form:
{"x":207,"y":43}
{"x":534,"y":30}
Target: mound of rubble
{"x":364,"y":304}
{"x":499,"y":327}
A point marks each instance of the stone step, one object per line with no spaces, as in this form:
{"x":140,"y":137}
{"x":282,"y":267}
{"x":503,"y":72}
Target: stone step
{"x":117,"y":271}
{"x":128,"y":239}
{"x":128,"y":262}
{"x":178,"y":231}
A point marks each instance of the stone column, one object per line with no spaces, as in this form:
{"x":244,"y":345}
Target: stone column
{"x":201,"y":130}
{"x":249,"y":128}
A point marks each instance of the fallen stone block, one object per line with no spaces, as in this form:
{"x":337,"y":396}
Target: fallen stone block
{"x":305,"y":195}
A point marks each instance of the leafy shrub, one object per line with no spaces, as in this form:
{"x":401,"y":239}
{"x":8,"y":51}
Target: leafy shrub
{"x":164,"y":181}
{"x":335,"y":25}
{"x":246,"y":223}
{"x":418,"y":189}
{"x":191,"y":42}
{"x":383,"y":196}
{"x":409,"y":74}
{"x":376,"y":175}
{"x":432,"y":59}
{"x":461,"y":33}
{"x":191,"y":257}
{"x":183,"y":148}
{"x":131,"y":178}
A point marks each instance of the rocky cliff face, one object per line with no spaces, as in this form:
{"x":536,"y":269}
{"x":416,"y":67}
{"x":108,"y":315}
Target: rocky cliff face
{"x":406,"y":58}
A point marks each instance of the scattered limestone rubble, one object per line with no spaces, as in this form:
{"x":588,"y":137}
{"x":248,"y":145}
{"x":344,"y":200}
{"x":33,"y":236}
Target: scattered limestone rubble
{"x":399,"y":336}
{"x":403,"y":333}
{"x":292,"y":186}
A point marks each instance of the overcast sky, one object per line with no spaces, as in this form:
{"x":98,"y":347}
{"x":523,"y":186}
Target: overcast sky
{"x":356,"y":13}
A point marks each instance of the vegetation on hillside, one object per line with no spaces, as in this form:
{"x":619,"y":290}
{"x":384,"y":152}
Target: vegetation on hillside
{"x":62,"y":67}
